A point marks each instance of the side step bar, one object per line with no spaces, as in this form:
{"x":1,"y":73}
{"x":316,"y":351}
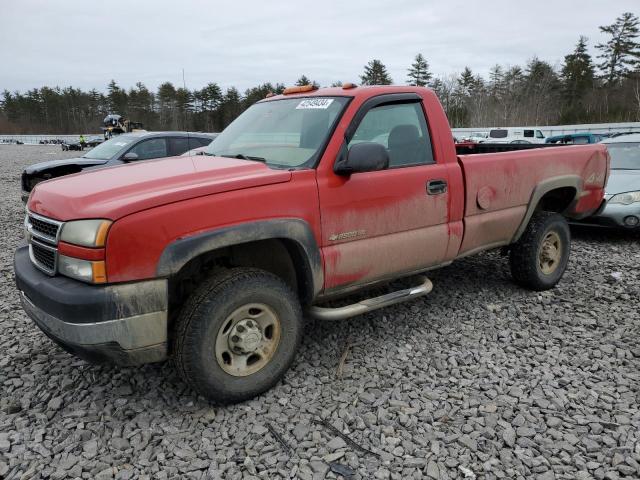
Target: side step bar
{"x":340,"y":313}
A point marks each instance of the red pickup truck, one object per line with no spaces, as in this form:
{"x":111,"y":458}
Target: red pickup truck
{"x":214,"y":260}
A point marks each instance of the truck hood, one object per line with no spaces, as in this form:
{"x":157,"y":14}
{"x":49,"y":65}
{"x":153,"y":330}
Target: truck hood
{"x":621,"y":181}
{"x":115,"y":192}
{"x":43,"y":166}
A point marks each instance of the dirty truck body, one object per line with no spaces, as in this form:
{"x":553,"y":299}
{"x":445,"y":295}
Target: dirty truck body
{"x":215,"y":260}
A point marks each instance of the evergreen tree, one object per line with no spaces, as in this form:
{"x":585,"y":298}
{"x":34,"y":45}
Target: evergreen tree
{"x":437,"y":85}
{"x":419,"y":74}
{"x":116,"y":99}
{"x":208,"y":101}
{"x":255,"y":94}
{"x":621,"y":53}
{"x":230,"y":108}
{"x":467,"y":83}
{"x":496,"y":82}
{"x":577,"y":72}
{"x":304,"y":80}
{"x":541,"y":89}
{"x":375,"y":73}
{"x":166,"y":104}
{"x":210,"y":97}
{"x":184,"y":107}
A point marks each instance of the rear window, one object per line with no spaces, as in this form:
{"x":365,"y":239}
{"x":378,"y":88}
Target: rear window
{"x":498,"y":133}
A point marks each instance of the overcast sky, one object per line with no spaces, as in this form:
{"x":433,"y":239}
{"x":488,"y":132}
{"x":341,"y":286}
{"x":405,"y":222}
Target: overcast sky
{"x":243,"y":43}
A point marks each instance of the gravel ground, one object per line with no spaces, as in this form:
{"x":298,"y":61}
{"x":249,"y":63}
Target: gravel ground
{"x":481,"y":379}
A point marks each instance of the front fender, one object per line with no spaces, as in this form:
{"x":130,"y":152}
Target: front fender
{"x":178,"y":253}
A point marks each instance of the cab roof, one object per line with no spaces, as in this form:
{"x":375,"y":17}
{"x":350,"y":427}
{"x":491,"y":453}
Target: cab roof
{"x":355,"y":92}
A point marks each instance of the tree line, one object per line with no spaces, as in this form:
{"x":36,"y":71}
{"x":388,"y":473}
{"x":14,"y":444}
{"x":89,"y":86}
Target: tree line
{"x":581,"y":90}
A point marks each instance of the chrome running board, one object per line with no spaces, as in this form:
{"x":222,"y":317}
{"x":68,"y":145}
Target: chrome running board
{"x":370,"y":304}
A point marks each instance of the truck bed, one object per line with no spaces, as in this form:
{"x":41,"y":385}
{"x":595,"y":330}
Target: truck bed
{"x":501,"y":186}
{"x":476,"y":148}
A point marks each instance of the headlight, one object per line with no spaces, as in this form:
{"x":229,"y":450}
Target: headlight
{"x":87,"y":233}
{"x":626,"y":198}
{"x":83,"y":270}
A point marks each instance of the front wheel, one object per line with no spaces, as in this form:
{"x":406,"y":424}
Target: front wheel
{"x":238,"y":334}
{"x":539,"y":258}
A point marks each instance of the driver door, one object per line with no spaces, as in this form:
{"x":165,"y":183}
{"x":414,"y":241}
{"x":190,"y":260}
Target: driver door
{"x":381,"y":224}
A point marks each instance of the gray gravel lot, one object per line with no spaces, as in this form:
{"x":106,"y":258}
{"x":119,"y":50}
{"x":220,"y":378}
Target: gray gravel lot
{"x":481,"y":379}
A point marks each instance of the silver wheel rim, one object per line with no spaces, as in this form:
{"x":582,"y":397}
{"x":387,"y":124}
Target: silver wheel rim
{"x":247,"y":339}
{"x":550,"y":253}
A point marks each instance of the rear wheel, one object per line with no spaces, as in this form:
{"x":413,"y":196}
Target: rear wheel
{"x":539,"y":258}
{"x":238,"y":334}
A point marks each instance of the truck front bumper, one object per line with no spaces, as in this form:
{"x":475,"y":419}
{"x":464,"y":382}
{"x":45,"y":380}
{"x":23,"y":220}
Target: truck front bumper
{"x":124,"y":324}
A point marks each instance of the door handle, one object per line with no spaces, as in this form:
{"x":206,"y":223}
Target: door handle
{"x":436,"y":187}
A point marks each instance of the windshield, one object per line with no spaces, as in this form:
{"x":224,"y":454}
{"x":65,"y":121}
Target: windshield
{"x":282,"y":133}
{"x":106,"y":150}
{"x":624,"y":156}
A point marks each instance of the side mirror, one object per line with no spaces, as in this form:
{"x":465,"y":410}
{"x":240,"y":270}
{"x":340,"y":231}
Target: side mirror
{"x":363,"y":157}
{"x":130,"y":157}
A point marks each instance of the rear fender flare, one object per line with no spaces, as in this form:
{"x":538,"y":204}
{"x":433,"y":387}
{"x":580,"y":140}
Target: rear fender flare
{"x":178,"y":253}
{"x":541,"y":190}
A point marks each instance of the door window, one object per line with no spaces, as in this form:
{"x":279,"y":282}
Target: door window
{"x":178,"y":145}
{"x":402,"y":129}
{"x":152,"y":148}
{"x":196,"y":142}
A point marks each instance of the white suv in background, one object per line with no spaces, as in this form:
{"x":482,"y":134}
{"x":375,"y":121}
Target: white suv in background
{"x":515,"y":135}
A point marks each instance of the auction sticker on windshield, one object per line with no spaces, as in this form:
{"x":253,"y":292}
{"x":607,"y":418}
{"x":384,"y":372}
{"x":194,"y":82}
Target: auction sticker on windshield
{"x":315,"y":103}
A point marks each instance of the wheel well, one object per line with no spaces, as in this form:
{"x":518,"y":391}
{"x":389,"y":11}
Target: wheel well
{"x":557,"y":200}
{"x":282,"y":257}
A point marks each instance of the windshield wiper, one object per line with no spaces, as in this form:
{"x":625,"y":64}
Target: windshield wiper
{"x":242,"y":156}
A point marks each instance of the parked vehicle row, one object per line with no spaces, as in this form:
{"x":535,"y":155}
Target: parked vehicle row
{"x":306,"y":196}
{"x":576,"y":138}
{"x":80,"y":145}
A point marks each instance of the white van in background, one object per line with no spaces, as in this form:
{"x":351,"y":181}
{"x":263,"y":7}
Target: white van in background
{"x":515,"y":135}
{"x":477,"y":137}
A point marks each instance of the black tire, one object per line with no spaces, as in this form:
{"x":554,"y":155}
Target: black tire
{"x":524,"y":256}
{"x":202,"y":318}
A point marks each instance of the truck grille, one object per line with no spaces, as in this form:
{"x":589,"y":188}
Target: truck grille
{"x":43,"y":236}
{"x":46,"y":229}
{"x":43,"y":256}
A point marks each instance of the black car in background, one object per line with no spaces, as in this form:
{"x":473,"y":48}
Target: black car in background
{"x":125,"y":148}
